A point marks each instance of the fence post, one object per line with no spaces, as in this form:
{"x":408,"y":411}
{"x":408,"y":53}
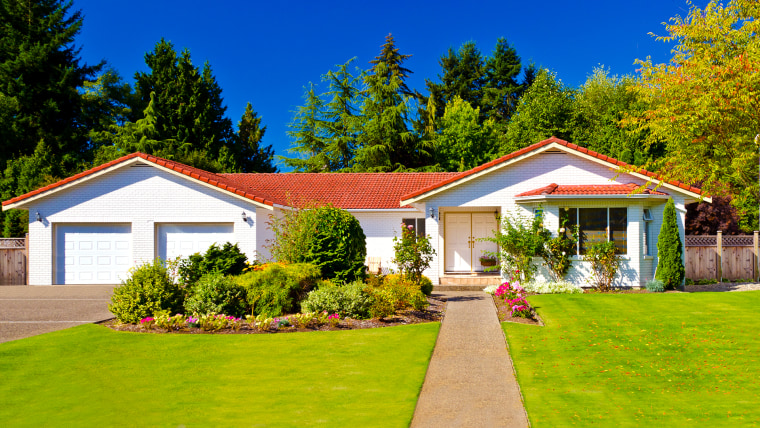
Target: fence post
{"x":756,"y":244}
{"x":26,"y":255}
{"x":719,"y":243}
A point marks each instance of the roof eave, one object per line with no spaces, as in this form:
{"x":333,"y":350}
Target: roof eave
{"x":538,"y":198}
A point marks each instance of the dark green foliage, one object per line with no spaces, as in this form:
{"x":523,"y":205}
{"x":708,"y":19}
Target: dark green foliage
{"x":412,"y":253}
{"x":275,"y":289}
{"x":426,"y":285}
{"x":670,"y":267}
{"x":520,"y":239}
{"x":227,"y":260}
{"x":463,"y":76}
{"x":249,"y":152}
{"x":218,"y":294}
{"x":328,"y":237}
{"x":40,"y":79}
{"x":347,"y":300}
{"x":148,"y":289}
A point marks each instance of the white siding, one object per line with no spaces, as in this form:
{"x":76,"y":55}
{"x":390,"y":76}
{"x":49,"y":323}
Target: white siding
{"x":141,"y":196}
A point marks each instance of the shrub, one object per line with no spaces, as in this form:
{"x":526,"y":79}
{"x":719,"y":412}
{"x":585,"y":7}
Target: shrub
{"x":412,"y":253}
{"x":349,"y":300}
{"x":604,"y":264}
{"x":655,"y":286}
{"x":670,"y":268}
{"x":217,"y":294}
{"x":554,"y":287}
{"x":395,"y":294}
{"x":274,"y":289}
{"x":426,"y":285}
{"x":325,"y":236}
{"x":148,"y":290}
{"x":228,"y":260}
{"x":520,"y":239}
{"x":558,"y":250}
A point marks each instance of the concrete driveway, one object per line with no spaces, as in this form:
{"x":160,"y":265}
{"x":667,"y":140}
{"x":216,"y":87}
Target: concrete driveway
{"x":30,"y":310}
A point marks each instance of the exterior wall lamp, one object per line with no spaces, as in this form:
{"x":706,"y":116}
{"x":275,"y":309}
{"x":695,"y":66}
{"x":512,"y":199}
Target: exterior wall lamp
{"x":245,"y":218}
{"x":431,"y":210}
{"x":38,"y":217}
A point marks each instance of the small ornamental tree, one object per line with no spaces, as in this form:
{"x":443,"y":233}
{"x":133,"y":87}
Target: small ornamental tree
{"x":558,"y":250}
{"x":605,"y":263}
{"x":670,"y":268}
{"x":413,"y":253}
{"x":520,"y":238}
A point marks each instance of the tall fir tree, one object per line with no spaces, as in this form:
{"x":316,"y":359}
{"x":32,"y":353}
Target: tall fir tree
{"x":40,"y":80}
{"x":501,"y":90}
{"x":463,"y":76}
{"x":670,"y":267}
{"x":308,"y":134}
{"x":252,"y":156}
{"x":386,"y":142}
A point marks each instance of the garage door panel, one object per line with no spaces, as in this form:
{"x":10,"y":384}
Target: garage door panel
{"x":183,"y":240}
{"x":92,"y":254}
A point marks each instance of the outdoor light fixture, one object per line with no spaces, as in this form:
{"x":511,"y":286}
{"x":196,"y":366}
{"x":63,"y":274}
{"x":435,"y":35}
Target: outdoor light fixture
{"x":496,"y":214}
{"x":431,"y":210}
{"x":245,"y":217}
{"x":38,"y":217}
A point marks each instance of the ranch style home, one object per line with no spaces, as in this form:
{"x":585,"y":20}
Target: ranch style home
{"x":92,"y":227}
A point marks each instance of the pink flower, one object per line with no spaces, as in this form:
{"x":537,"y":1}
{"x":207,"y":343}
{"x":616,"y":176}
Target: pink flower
{"x":147,"y":319}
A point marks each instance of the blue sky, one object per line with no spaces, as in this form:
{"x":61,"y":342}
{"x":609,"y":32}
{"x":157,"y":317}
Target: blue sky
{"x":265,"y":52}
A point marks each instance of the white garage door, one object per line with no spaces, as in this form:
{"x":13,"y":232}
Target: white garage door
{"x":92,"y":254}
{"x":182,"y":240}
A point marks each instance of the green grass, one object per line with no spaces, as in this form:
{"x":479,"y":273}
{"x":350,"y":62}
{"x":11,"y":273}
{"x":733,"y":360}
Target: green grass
{"x":664,"y":360}
{"x":92,"y":376}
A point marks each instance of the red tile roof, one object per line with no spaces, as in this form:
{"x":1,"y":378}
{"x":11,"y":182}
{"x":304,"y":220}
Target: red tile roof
{"x":198,"y":174}
{"x":613,"y":163}
{"x":588,"y":189}
{"x":344,"y":190}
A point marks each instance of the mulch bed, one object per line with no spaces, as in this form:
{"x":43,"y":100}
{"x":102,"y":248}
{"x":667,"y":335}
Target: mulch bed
{"x":433,"y":313}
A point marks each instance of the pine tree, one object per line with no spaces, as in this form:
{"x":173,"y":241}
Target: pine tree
{"x":501,"y":90}
{"x":252,"y":156}
{"x":386,"y":142}
{"x":308,"y":134}
{"x":463,"y":76}
{"x":670,"y":267}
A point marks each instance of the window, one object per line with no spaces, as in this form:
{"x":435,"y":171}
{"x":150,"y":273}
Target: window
{"x":598,"y":225}
{"x":538,"y":213}
{"x":417,"y":223}
{"x":647,"y":219}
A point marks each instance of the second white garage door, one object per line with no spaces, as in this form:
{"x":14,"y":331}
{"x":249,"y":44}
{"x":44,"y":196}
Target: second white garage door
{"x":182,"y":240}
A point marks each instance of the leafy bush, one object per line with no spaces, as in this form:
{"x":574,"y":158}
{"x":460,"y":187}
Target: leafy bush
{"x":670,"y":268}
{"x":604,"y":264}
{"x":396,"y":293}
{"x":328,"y":237}
{"x":349,"y":300}
{"x":554,"y":287}
{"x":228,"y":260}
{"x":148,"y":290}
{"x":217,"y":294}
{"x":558,"y":250}
{"x":426,"y":285}
{"x":520,"y":239}
{"x":412,"y":253}
{"x":655,"y":286}
{"x":273,"y":289}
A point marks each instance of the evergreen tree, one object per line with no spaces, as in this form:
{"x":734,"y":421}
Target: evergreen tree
{"x":386,"y":143}
{"x":307,"y":132}
{"x":463,"y":76}
{"x":40,"y":80}
{"x":188,"y":108}
{"x":251,"y":156}
{"x":670,"y":267}
{"x":501,"y":90}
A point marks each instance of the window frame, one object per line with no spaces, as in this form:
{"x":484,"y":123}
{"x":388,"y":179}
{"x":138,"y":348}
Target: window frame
{"x":417,"y":222}
{"x":608,"y":228}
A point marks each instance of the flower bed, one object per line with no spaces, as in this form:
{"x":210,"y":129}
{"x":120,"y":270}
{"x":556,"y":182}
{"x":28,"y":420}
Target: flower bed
{"x":512,"y":305}
{"x":186,"y":324}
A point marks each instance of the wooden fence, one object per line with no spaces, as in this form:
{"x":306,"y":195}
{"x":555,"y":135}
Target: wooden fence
{"x":13,"y":266}
{"x":720,"y":257}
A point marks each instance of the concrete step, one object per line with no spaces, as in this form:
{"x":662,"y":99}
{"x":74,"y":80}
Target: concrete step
{"x":466,"y":282}
{"x":444,"y":288}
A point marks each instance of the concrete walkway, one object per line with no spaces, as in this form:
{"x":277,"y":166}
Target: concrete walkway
{"x":470,"y":381}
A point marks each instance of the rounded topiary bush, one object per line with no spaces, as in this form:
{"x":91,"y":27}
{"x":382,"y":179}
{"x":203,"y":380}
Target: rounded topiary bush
{"x":348,"y":300}
{"x":148,"y":289}
{"x":338,"y":245}
{"x":426,"y":285}
{"x":218,"y":294}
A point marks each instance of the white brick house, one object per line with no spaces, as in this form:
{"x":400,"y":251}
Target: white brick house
{"x":94,"y":226}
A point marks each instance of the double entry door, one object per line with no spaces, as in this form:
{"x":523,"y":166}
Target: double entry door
{"x":463,"y":244}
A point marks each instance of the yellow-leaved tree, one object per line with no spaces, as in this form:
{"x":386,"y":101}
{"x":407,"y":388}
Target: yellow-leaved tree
{"x":704,"y":105}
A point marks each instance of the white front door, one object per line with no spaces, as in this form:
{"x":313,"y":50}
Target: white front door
{"x":182,"y":240}
{"x":463,"y":247}
{"x":458,"y":251}
{"x":92,"y":254}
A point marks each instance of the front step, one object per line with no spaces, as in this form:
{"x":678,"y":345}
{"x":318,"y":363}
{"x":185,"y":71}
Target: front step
{"x":466,"y":282}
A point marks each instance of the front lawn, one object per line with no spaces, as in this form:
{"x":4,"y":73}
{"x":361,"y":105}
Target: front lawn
{"x":641,"y":360}
{"x":92,"y":376}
